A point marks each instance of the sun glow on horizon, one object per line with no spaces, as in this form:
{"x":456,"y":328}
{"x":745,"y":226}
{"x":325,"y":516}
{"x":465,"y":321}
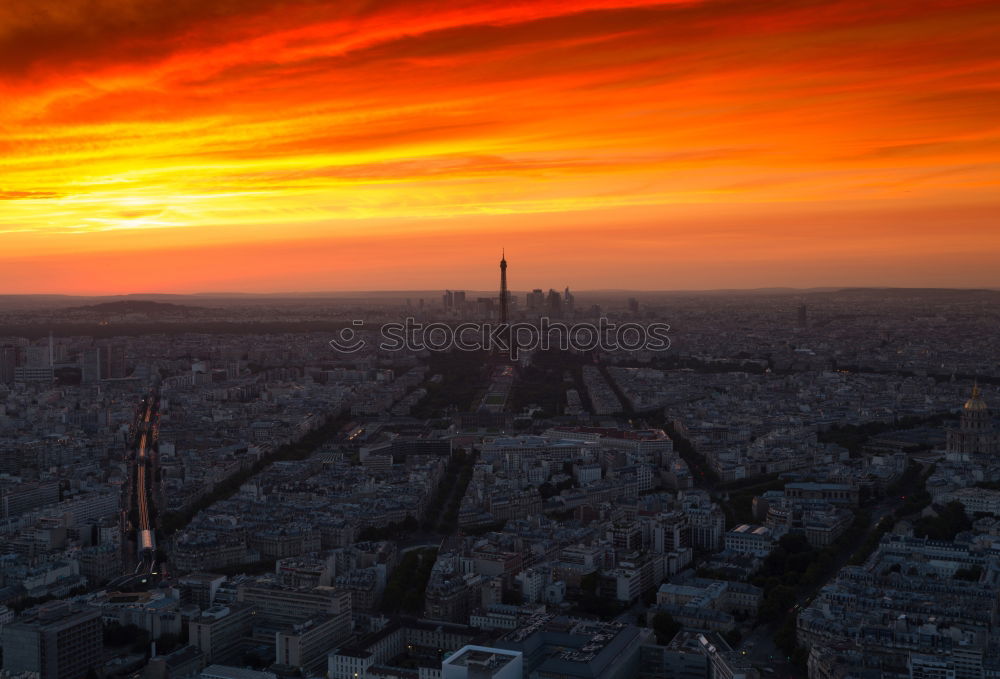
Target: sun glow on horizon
{"x":312,"y":147}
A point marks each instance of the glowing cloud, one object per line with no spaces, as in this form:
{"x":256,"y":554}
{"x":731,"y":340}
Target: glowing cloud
{"x":779,"y":143}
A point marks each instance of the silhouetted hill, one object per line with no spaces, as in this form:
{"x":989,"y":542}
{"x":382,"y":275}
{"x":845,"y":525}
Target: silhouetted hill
{"x":137,"y":307}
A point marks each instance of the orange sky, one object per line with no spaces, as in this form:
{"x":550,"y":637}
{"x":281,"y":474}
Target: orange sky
{"x":185,"y":145}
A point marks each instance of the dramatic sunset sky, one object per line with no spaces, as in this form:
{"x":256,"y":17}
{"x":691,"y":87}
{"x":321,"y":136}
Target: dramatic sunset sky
{"x":258,"y":145}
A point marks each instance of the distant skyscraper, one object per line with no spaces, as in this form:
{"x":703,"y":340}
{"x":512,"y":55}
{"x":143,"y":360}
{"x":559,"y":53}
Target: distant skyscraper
{"x":802,"y":320}
{"x":484,"y":307}
{"x":536,"y":300}
{"x":113,"y":362}
{"x":633,"y":305}
{"x":448,"y":300}
{"x":554,"y":303}
{"x":504,"y":310}
{"x":458,"y":300}
{"x":568,"y":301}
{"x":90,"y":366}
{"x":8,"y":363}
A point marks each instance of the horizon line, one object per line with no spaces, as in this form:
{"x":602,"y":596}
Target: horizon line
{"x":314,"y":293}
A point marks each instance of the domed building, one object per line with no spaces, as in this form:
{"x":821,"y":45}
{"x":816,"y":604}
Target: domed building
{"x":976,"y":433}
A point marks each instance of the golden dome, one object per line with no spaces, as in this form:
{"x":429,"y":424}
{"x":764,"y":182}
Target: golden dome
{"x":975,"y":403}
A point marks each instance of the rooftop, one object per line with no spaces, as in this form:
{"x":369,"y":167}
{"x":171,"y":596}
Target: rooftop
{"x":482,"y":656}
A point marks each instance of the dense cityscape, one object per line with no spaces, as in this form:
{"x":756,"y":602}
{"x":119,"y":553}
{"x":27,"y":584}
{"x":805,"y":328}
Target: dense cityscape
{"x":804,"y":483}
{"x":538,"y":339}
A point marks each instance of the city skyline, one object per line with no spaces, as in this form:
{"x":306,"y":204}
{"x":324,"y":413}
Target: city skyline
{"x":275,"y":404}
{"x":637,"y":487}
{"x":177,"y":148}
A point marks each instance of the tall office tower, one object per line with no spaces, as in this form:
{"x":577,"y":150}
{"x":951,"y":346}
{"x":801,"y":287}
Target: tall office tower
{"x":803,"y":320}
{"x":633,"y":305}
{"x":458,"y":300}
{"x":555,"y":303}
{"x":448,"y":300}
{"x":113,"y":362}
{"x":484,"y":307}
{"x":536,"y":300}
{"x":569,"y":301}
{"x":8,"y":362}
{"x":503,"y":289}
{"x":90,"y":366}
{"x":56,"y":642}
